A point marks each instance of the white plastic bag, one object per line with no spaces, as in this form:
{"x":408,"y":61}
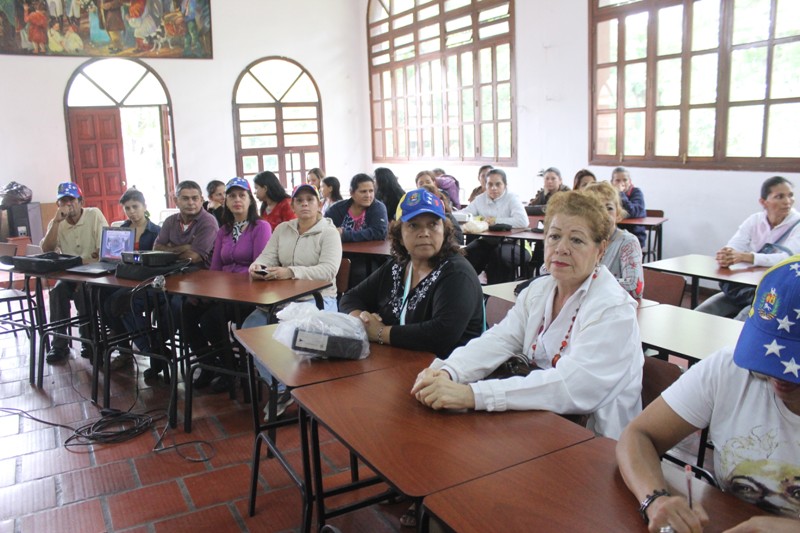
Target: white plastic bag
{"x":314,"y":333}
{"x":475,"y":226}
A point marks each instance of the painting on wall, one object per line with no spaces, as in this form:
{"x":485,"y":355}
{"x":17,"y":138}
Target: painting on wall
{"x":106,"y":28}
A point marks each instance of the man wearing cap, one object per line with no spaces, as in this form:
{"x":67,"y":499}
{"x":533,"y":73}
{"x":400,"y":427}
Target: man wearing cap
{"x":749,"y":397}
{"x":74,"y":230}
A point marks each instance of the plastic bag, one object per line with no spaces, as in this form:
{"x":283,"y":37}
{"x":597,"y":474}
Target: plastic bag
{"x":475,"y":226}
{"x":15,"y":194}
{"x":320,"y":334}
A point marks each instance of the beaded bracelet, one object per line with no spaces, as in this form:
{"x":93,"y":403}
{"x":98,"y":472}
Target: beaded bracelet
{"x":650,"y":498}
{"x":380,"y":335}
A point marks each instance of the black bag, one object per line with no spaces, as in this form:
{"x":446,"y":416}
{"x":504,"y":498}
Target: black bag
{"x":740,"y":295}
{"x":516,"y":365}
{"x":500,"y":227}
{"x":141,"y":272}
{"x":46,"y":262}
{"x":15,"y":193}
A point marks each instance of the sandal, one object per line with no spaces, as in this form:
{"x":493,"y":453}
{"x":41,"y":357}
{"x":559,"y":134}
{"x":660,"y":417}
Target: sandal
{"x":409,"y":518}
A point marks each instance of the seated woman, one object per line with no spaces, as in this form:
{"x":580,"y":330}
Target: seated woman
{"x":239,"y":241}
{"x":388,"y":190}
{"x":427,"y":297}
{"x":632,"y":200}
{"x":480,"y":189}
{"x":764,"y":239}
{"x":216,"y":199}
{"x":315,"y":177}
{"x":330,"y":192}
{"x":308,"y":247}
{"x":749,"y":398}
{"x":583,"y":178}
{"x":497,"y":206}
{"x":552,"y":184}
{"x":116,"y":302}
{"x":275,"y":204}
{"x":577,"y":326}
{"x":623,"y":257}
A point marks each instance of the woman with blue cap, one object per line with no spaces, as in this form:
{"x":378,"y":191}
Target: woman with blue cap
{"x":749,"y":398}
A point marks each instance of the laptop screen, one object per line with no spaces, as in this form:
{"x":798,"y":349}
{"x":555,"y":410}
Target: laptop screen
{"x":114,"y":242}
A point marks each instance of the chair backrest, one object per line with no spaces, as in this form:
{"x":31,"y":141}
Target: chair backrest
{"x":33,"y":249}
{"x":343,"y":277}
{"x":496,"y":310}
{"x":663,"y":287}
{"x":117,"y":223}
{"x":164,"y":213}
{"x":8,"y":248}
{"x":654,"y":212}
{"x":657,"y":375}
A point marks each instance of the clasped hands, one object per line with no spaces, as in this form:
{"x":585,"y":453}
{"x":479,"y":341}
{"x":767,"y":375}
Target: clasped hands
{"x":727,"y":256}
{"x":437,"y":390}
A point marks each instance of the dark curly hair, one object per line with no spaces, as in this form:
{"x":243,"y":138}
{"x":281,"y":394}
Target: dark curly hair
{"x":450,"y":246}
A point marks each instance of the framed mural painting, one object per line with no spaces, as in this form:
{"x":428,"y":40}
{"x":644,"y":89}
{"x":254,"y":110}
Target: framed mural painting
{"x":106,"y":28}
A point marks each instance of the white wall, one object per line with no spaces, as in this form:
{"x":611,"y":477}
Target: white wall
{"x":328,"y":37}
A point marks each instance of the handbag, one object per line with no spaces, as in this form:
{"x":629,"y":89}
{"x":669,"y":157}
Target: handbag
{"x":46,"y":262}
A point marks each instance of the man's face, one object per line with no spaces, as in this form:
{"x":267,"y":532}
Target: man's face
{"x":70,"y":206}
{"x":190,"y":202}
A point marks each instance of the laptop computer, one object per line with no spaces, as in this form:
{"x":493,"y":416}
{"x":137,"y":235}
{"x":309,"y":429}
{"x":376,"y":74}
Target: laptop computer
{"x":113,"y":242}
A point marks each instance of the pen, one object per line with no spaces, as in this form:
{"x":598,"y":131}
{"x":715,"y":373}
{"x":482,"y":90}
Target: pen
{"x":688,"y":469}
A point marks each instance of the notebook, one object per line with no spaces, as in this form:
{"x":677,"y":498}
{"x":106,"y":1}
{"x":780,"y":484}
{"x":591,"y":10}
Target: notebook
{"x":113,"y":242}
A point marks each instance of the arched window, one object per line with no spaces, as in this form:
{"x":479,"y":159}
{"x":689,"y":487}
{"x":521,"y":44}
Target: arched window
{"x":119,"y":130}
{"x":442,"y":80}
{"x":277,"y":120}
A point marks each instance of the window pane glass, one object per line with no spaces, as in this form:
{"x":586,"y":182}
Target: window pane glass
{"x":705,"y":24}
{"x":607,"y":88}
{"x":634,"y":133}
{"x":750,"y":20}
{"x":606,"y":141}
{"x":467,"y":105}
{"x":636,"y":35}
{"x":270,"y":162}
{"x":486,"y":32}
{"x":426,"y":47}
{"x":670,"y":30}
{"x":487,"y":140}
{"x":250,"y":164}
{"x":703,"y":83}
{"x":503,"y":101}
{"x":295,"y":112}
{"x":378,"y":143}
{"x":302,"y":91}
{"x":387,"y":114}
{"x":494,"y":13}
{"x":427,"y":144}
{"x":604,"y":3}
{"x":82,"y":92}
{"x":401,"y":114}
{"x":301,"y":140}
{"x":148,"y":92}
{"x":250,"y":91}
{"x":487,"y":103}
{"x":401,"y":143}
{"x":458,"y":38}
{"x":466,"y":68}
{"x":486,"y":65}
{"x":438,"y":142}
{"x":403,"y":21}
{"x":399,"y":6}
{"x":276,"y":75}
{"x":428,"y":12}
{"x":377,"y":119}
{"x":115,"y":76}
{"x":450,"y":5}
{"x":669,"y":82}
{"x":452,"y":106}
{"x":428,"y":32}
{"x":504,"y":139}
{"x":453,"y":146}
{"x":702,"y":125}
{"x":635,"y":85}
{"x":452,"y":72}
{"x":745,"y":130}
{"x":388,"y":136}
{"x":782,"y":137}
{"x":607,"y":41}
{"x":413,"y":143}
{"x":469,"y":141}
{"x":503,"y":58}
{"x":256,"y":128}
{"x":668,"y":129}
{"x":458,"y":24}
{"x":748,"y":74}
{"x":257,"y":113}
{"x":387,"y":84}
{"x":264,"y":141}
{"x":787,"y":21}
{"x":786,"y":70}
{"x":376,"y":11}
{"x":300,"y":126}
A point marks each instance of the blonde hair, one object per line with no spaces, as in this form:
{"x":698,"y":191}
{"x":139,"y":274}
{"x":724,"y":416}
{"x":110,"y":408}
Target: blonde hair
{"x":580,"y":204}
{"x":606,"y":192}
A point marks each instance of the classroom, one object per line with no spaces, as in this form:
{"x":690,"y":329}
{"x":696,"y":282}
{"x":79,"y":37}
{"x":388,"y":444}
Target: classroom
{"x":556,"y":117}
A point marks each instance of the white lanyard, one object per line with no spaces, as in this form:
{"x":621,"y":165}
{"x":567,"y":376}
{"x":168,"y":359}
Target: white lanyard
{"x":406,"y":290}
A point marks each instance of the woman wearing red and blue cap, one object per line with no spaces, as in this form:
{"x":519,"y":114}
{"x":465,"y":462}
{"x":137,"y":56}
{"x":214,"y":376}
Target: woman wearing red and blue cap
{"x":239,"y":240}
{"x":428,"y":296}
{"x":749,"y":398}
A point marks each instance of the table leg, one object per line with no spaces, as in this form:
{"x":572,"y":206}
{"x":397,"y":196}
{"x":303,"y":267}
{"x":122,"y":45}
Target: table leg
{"x":695,"y":291}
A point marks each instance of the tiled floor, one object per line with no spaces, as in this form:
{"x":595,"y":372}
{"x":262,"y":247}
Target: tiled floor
{"x":130,"y":486}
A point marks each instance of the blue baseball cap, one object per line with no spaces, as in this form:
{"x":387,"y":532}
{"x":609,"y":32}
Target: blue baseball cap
{"x":69,"y":188}
{"x":308,"y":187}
{"x":237,"y":182}
{"x":420,"y":201}
{"x":770,"y":340}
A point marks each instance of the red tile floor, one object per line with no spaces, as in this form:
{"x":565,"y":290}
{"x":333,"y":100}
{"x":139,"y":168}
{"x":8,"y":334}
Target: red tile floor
{"x":131,"y":486}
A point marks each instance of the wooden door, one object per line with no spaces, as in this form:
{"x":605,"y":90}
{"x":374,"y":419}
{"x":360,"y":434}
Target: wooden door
{"x":167,"y":156}
{"x":98,"y":162}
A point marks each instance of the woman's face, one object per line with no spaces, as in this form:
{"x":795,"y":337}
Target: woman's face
{"x":423,"y":236}
{"x":312,"y":179}
{"x":424,"y":180}
{"x":218,"y":196}
{"x":570,"y":254}
{"x":495,"y":186}
{"x":134,"y":210}
{"x":613,"y":214}
{"x":586,"y":180}
{"x":325,"y":190}
{"x":261,"y":193}
{"x":482,"y":176}
{"x":621,"y":181}
{"x":305,"y":205}
{"x":238,"y":202}
{"x":364,"y":195}
{"x":779,"y":202}
{"x":552,"y":182}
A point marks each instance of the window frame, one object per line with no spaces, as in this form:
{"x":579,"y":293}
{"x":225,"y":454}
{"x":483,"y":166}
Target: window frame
{"x":719,"y":160}
{"x":285,"y":175}
{"x":445,"y":123}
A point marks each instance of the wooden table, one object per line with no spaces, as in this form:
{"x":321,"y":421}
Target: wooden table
{"x":577,"y":489}
{"x":379,"y":248}
{"x":655,"y":233}
{"x":293,"y":370}
{"x":420,"y":451}
{"x":689,"y":334}
{"x":700,"y":267}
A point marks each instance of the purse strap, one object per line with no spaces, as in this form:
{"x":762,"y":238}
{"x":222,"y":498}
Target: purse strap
{"x":786,"y":233}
